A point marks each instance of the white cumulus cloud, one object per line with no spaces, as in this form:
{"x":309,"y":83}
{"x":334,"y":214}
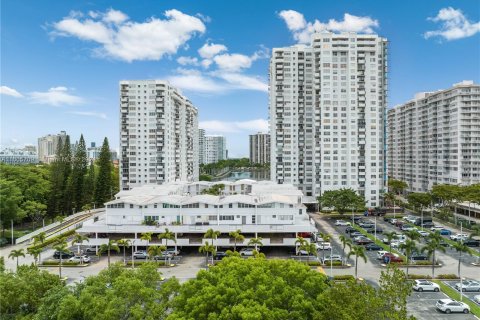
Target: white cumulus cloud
{"x":56,"y":96}
{"x":209,"y":50}
{"x":90,"y":114}
{"x":454,"y":25}
{"x":184,"y":61}
{"x":217,"y":126}
{"x":303,"y":30}
{"x":120,"y":38}
{"x":10,"y":92}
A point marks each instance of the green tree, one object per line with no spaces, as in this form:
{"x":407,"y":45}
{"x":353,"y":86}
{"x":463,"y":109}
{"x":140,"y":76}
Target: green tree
{"x":79,"y":173}
{"x":89,"y":186}
{"x":461,"y":248}
{"x":341,"y":200}
{"x":107,"y":247}
{"x":167,"y":235}
{"x":394,"y":291}
{"x":358,"y":252}
{"x":211,"y":234}
{"x":299,"y":242}
{"x":125,"y":243}
{"x":10,"y":199}
{"x":434,"y":243}
{"x":409,"y":247}
{"x":214,"y":190}
{"x":256,"y":242}
{"x":419,"y":200}
{"x":146,"y":236}
{"x":78,"y":239}
{"x":154,"y":252}
{"x":237,"y":236}
{"x":397,"y":186}
{"x":39,"y":239}
{"x":15,"y":254}
{"x":346,"y":241}
{"x":56,"y":182}
{"x":269,"y":289}
{"x":35,"y":253}
{"x":326,"y":238}
{"x":66,"y":187}
{"x":412,"y":234}
{"x":61,"y":248}
{"x":206,"y":249}
{"x":390,"y":236}
{"x":103,"y":184}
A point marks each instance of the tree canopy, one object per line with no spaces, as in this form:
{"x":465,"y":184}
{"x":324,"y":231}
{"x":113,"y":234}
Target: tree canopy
{"x":397,"y":186}
{"x":342,"y":200}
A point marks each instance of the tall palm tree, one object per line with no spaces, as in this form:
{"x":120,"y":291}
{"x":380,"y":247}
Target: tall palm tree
{"x":326,"y":238}
{"x":35,"y":253}
{"x":390,"y":236}
{"x":255,"y":242}
{"x":125,"y":243}
{"x":79,"y":239}
{"x":310,"y":248}
{"x":433,"y":244}
{"x":156,"y":251}
{"x":146,"y":236}
{"x":237,"y":236}
{"x":299,"y":243}
{"x":107,"y":247}
{"x":408,"y":247}
{"x":62,"y":248}
{"x":211,"y":234}
{"x":358,"y":252}
{"x":346,"y":241}
{"x":15,"y":254}
{"x":412,"y":234}
{"x":39,"y":239}
{"x":207,"y":248}
{"x":460,"y":247}
{"x":167,"y":235}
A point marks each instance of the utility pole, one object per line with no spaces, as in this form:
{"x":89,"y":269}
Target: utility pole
{"x":460,"y":275}
{"x":12,"y":231}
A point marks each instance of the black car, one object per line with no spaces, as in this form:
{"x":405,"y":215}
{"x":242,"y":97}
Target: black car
{"x":428,"y":225}
{"x":471,"y":243}
{"x":350,"y":229}
{"x":373,"y":246}
{"x":372,"y":230}
{"x":65,"y":255}
{"x":363,"y":241}
{"x":219,"y":255}
{"x":418,"y":257}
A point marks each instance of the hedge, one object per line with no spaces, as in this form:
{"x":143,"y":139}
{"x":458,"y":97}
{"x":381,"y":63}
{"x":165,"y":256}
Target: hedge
{"x":419,"y":276}
{"x":58,"y":238}
{"x":334,"y":263}
{"x":343,"y":277}
{"x":56,"y":263}
{"x":139,"y":263}
{"x":447,"y":276}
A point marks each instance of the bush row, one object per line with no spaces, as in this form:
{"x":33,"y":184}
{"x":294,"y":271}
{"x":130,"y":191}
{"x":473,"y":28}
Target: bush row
{"x":139,"y":263}
{"x":343,"y":277}
{"x":56,"y":263}
{"x":440,"y":276}
{"x":52,"y":240}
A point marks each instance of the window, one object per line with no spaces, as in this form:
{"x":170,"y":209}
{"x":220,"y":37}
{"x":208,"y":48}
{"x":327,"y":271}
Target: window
{"x":227,"y":218}
{"x":266,"y":205}
{"x":131,"y":206}
{"x":191,"y":205}
{"x":116,"y":206}
{"x":246,"y":205}
{"x":285,"y":217}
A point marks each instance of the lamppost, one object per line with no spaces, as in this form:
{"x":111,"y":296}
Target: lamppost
{"x":331,"y":262}
{"x":133,"y":258}
{"x":460,"y":274}
{"x":375,"y":229}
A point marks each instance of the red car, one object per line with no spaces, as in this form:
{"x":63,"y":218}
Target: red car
{"x":390,"y":257}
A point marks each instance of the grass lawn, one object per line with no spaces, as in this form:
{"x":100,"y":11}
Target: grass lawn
{"x":454,"y":294}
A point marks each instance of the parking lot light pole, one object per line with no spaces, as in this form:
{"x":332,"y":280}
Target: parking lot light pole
{"x":375,"y":228}
{"x":460,"y":273}
{"x":133,"y":259}
{"x":331,"y":262}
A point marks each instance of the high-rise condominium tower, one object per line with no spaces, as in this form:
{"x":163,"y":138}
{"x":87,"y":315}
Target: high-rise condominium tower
{"x":48,"y":145}
{"x":215,"y":149}
{"x":435,"y":138}
{"x":201,"y":146}
{"x":260,"y":148}
{"x":327,"y":114}
{"x":158,"y":134}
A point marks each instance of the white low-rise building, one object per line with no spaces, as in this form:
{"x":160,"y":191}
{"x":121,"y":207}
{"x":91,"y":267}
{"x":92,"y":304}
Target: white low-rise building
{"x":263,"y":209}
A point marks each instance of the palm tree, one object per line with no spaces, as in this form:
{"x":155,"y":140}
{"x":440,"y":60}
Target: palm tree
{"x":111,"y":245}
{"x":237,"y":236}
{"x":211,"y":234}
{"x":299,"y":243}
{"x":390,"y":197}
{"x":390,"y":236}
{"x":358,"y":252}
{"x":413,"y":234}
{"x":255,"y":242}
{"x":146,"y":236}
{"x":345,"y":242}
{"x":167,"y":235}
{"x":207,"y":248}
{"x":326,"y":238}
{"x":310,"y":248}
{"x":39,"y":239}
{"x":78,"y":239}
{"x":460,"y":247}
{"x":125,"y":243}
{"x":15,"y":254}
{"x":408,"y":247}
{"x":61,"y":248}
{"x":35,"y":253}
{"x":156,"y":251}
{"x":432,"y":246}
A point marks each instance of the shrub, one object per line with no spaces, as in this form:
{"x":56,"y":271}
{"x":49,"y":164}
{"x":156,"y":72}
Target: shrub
{"x":422,"y":263}
{"x":56,"y":263}
{"x":334,"y":263}
{"x":139,"y":263}
{"x":447,"y":276}
{"x":343,"y":277}
{"x":313,"y":263}
{"x":419,"y":276}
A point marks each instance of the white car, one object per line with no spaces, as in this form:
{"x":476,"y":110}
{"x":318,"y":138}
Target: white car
{"x":477,"y":299}
{"x":380,"y":254}
{"x":140,"y":255}
{"x":435,"y":228}
{"x":408,"y":228}
{"x":247,"y":252}
{"x":334,"y":257}
{"x":423,"y":233}
{"x":173,"y":251}
{"x":324,"y":246}
{"x":459,"y":236}
{"x":424,"y":285}
{"x":80,"y":259}
{"x":449,"y":306}
{"x":342,"y":223}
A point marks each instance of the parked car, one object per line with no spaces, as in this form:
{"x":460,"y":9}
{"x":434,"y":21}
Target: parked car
{"x":65,"y":255}
{"x":140,"y":255}
{"x":90,"y":249}
{"x":472,"y":243}
{"x":477,"y":298}
{"x":173,"y":251}
{"x":423,"y":233}
{"x":350,"y":229}
{"x":424,"y":285}
{"x":366,"y":224}
{"x":459,"y":236}
{"x":435,"y":228}
{"x":355,"y":234}
{"x":247,"y":252}
{"x":468,"y":285}
{"x":393,"y":221}
{"x":163,"y":255}
{"x":380,"y":254}
{"x":418,"y":257}
{"x":219,"y":255}
{"x":80,"y":259}
{"x":373,"y":246}
{"x":391,"y":258}
{"x":449,"y":306}
{"x":427,"y":225}
{"x":408,"y":228}
{"x":324,"y":246}
{"x":334,"y":257}
{"x":342,"y":223}
{"x":363,"y":241}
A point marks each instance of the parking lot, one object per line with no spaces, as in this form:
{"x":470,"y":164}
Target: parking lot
{"x":422,"y":306}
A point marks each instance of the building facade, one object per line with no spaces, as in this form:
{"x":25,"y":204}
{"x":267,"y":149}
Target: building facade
{"x":435,"y":138}
{"x":201,"y":146}
{"x":327,"y":115}
{"x":258,"y":209}
{"x":158,"y":134}
{"x":16,"y":156}
{"x":93,"y":153}
{"x":48,"y":145}
{"x":260,"y":148}
{"x":215,"y":148}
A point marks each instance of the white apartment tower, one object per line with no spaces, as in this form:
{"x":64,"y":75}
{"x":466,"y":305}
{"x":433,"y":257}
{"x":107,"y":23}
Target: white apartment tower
{"x":435,"y":138}
{"x":327,"y":114}
{"x":201,"y":146}
{"x":158,"y":134}
{"x":260,"y":148}
{"x":48,"y":145}
{"x":215,"y":148}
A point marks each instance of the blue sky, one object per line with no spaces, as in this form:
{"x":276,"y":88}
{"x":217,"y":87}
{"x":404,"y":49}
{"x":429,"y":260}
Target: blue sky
{"x":61,"y":61}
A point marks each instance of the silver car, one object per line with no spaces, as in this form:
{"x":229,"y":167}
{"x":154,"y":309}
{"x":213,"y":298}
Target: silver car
{"x":449,"y":306}
{"x":468,"y":285}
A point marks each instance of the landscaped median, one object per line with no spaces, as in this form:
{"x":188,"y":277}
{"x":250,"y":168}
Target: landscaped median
{"x":454,"y":294}
{"x":56,"y":263}
{"x":158,"y":263}
{"x":52,"y":240}
{"x":378,"y":242}
{"x":452,"y":242}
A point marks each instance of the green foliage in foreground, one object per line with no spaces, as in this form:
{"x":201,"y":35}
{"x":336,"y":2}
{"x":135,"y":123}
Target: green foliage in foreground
{"x":235,"y":288}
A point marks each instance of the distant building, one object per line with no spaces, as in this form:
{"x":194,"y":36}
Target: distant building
{"x":18,"y":156}
{"x":93,"y":153}
{"x":30,"y":148}
{"x":215,"y":149}
{"x":260,"y":148}
{"x":435,"y":138}
{"x":201,"y":146}
{"x":47,"y":146}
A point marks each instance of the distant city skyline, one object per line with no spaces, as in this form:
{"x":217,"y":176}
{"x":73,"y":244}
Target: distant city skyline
{"x":61,"y":63}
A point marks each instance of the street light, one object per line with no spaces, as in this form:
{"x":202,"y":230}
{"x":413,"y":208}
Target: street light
{"x":460,"y":271}
{"x":331,"y":262}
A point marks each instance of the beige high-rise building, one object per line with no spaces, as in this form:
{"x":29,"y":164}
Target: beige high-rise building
{"x":260,"y":148}
{"x":435,"y":138}
{"x":48,"y":145}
